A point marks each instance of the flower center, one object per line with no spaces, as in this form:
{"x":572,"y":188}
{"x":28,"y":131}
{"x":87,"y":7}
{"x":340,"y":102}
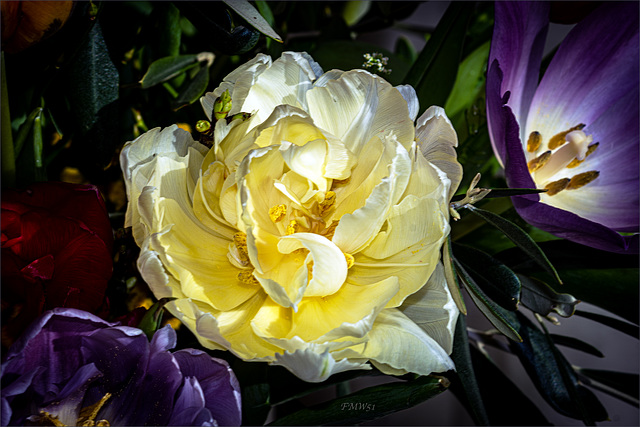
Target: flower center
{"x":565,"y":150}
{"x":86,"y":417}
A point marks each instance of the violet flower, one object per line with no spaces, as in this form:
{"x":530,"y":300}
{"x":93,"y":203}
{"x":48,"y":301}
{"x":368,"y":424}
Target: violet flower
{"x":72,"y":368}
{"x":575,"y":133}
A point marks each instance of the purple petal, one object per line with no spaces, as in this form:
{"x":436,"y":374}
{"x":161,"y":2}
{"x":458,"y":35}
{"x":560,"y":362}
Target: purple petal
{"x":219,"y":384}
{"x":189,"y":408}
{"x":594,"y":67}
{"x":572,"y":227}
{"x":5,"y":412}
{"x":517,"y":44}
{"x":506,"y":133}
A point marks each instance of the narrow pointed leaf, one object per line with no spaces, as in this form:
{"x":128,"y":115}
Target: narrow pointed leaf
{"x":8,"y":154}
{"x":166,"y":68}
{"x":493,"y":312}
{"x":368,"y":404}
{"x":553,"y":376}
{"x":576,"y":344}
{"x":496,"y":279}
{"x":518,"y":236}
{"x":466,"y":388}
{"x":621,"y":385}
{"x":504,"y":402}
{"x":542,"y":299}
{"x":25,"y":129}
{"x":434,"y":72}
{"x":194,"y":89}
{"x":469,"y":81}
{"x":627,"y":328}
{"x":452,"y":278}
{"x":253,"y":17}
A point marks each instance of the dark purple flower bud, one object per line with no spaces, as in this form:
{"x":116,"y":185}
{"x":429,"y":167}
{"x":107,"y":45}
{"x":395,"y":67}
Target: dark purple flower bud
{"x":71,"y":367}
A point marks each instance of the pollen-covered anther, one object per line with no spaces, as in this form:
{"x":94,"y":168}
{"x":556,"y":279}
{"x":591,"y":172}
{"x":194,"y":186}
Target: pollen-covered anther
{"x":240,"y":241}
{"x":539,"y":161}
{"x":582,"y":179}
{"x":575,"y":162}
{"x":534,"y":141}
{"x":247,"y":277}
{"x":293,"y":227}
{"x":277,"y":213}
{"x":328,"y":202}
{"x":559,"y":139}
{"x":555,"y":187}
{"x":350,"y":260}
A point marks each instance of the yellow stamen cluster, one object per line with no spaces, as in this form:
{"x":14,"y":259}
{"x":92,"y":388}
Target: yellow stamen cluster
{"x":350,"y":259}
{"x":277,"y":213}
{"x":293,"y":227}
{"x":247,"y":277}
{"x":240,"y":240}
{"x":327,"y":203}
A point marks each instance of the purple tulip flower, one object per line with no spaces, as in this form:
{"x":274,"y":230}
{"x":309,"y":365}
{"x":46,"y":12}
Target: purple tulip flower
{"x":71,"y":367}
{"x":576,"y":132}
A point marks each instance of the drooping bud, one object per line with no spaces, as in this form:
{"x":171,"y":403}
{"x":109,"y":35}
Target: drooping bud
{"x":222,"y":106}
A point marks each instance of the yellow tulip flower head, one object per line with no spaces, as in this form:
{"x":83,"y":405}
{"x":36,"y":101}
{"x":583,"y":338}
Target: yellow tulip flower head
{"x":309,"y":234}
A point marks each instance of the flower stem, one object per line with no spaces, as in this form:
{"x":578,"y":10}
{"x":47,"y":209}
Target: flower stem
{"x":8,"y":157}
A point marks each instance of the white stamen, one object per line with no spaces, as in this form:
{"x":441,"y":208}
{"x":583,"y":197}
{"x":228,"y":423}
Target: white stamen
{"x":576,"y":147}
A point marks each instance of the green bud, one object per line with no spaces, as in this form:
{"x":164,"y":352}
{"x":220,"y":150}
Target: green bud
{"x":239,"y":116}
{"x":222,"y":106}
{"x":203,"y":126}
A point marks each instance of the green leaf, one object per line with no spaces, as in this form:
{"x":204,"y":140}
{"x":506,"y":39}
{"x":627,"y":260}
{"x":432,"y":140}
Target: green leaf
{"x":552,"y":375}
{"x":504,"y":402}
{"x":576,"y":344}
{"x":627,"y":328}
{"x":451,"y":277}
{"x":466,"y":387}
{"x":169,"y":31}
{"x":194,"y":89}
{"x":265,"y":11}
{"x":8,"y":153}
{"x":493,"y":312}
{"x":25,"y":130}
{"x":354,"y":11}
{"x":368,"y":404}
{"x":404,"y":49}
{"x":152,"y":319}
{"x":518,"y":236}
{"x":621,"y":385}
{"x":469,"y":81}
{"x":434,"y":72}
{"x":253,"y":17}
{"x":542,"y":299}
{"x":496,"y":279}
{"x":583,"y":271}
{"x":166,"y":68}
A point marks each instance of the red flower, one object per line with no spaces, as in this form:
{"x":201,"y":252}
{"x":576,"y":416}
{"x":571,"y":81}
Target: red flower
{"x":56,"y":252}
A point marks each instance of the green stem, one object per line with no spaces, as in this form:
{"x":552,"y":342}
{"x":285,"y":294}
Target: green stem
{"x":8,"y":156}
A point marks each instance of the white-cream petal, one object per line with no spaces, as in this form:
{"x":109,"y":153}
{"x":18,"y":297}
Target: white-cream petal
{"x":359,"y":228}
{"x":311,"y":366}
{"x":397,"y":345}
{"x":409,"y":95}
{"x":437,"y":140}
{"x":433,"y":309}
{"x":329,"y":269}
{"x":359,"y":106}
